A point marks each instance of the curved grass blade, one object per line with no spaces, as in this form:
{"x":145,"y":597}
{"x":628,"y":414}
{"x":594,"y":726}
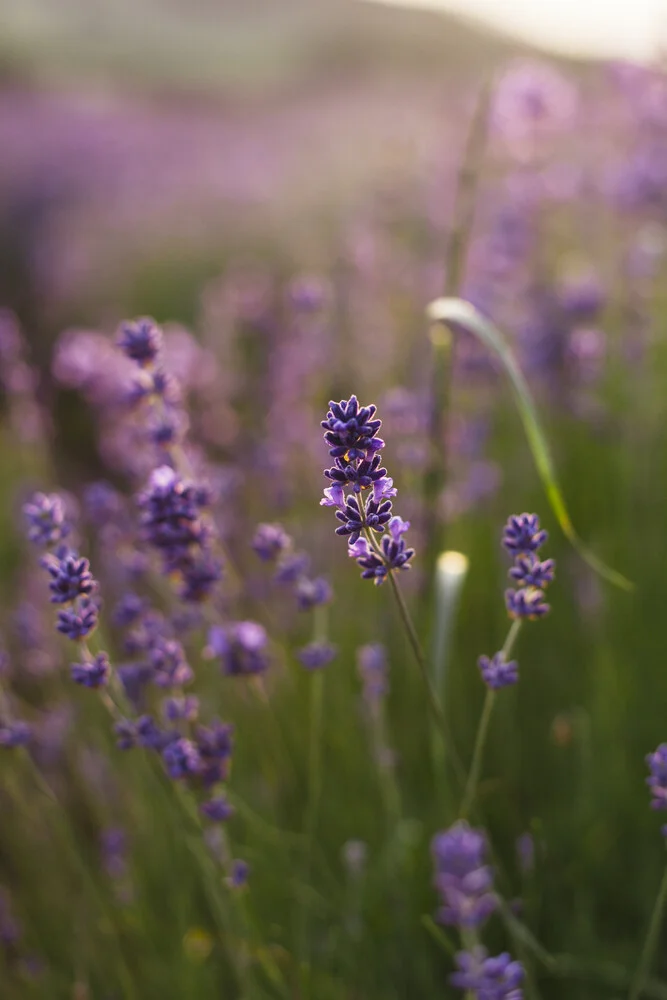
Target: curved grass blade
{"x":455,"y":313}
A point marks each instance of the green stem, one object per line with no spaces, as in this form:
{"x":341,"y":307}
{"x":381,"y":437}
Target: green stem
{"x":413,"y":639}
{"x":650,"y":942}
{"x":483,"y":729}
{"x":441,"y":367}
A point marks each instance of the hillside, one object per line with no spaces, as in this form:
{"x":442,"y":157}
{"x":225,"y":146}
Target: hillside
{"x":234,"y":47}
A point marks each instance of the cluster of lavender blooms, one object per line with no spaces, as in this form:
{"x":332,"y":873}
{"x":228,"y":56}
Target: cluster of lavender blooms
{"x":351,"y":433}
{"x":464,"y":880}
{"x":522,"y":537}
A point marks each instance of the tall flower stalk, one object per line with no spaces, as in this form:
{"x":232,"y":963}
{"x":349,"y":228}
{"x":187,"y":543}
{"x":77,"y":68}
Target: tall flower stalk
{"x":522,"y":537}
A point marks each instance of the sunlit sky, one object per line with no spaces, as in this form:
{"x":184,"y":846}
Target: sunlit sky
{"x":630,"y":28}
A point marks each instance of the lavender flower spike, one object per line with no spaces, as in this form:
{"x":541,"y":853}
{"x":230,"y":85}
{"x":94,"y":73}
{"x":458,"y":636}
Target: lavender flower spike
{"x":657,"y":781}
{"x":462,"y":877}
{"x":497,"y":672}
{"x":488,"y":978}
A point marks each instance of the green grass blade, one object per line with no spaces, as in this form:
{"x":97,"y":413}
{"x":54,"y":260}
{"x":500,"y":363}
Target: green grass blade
{"x":458,"y":313}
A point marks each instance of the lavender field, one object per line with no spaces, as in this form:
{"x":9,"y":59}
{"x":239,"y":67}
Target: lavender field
{"x":333,"y":465}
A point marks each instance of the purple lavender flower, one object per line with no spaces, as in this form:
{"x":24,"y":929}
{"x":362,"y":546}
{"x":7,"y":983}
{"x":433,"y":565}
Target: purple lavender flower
{"x":140,"y":340}
{"x":239,"y":873}
{"x":170,"y":667}
{"x":360,"y":475}
{"x":170,"y":515}
{"x":355,"y":516}
{"x":113,"y":844}
{"x":215,"y":745}
{"x":498,"y":672}
{"x":311,"y":593}
{"x":128,"y":610}
{"x":270,"y":540}
{"x":316,"y":655}
{"x":126,"y":734}
{"x":181,"y":759}
{"x":488,"y":978}
{"x":291,"y":567}
{"x":372,"y":667}
{"x":46,"y":519}
{"x":93,"y":673}
{"x":79,"y":621}
{"x":522,"y":534}
{"x":526,"y":603}
{"x":462,"y":877}
{"x":102,"y":503}
{"x":351,"y":430}
{"x":200,"y":575}
{"x":528,"y":571}
{"x":15,"y":734}
{"x":217,"y":809}
{"x":394,"y":553}
{"x":657,"y":781}
{"x":175,"y":709}
{"x":70,"y":577}
{"x":241,"y":647}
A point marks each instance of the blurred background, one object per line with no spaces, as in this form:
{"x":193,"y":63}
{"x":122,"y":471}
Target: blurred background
{"x":278,"y":182}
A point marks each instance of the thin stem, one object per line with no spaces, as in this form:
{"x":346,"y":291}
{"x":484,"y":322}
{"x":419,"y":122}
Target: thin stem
{"x":650,"y":942}
{"x":455,"y":260}
{"x":483,"y":729}
{"x":413,"y":639}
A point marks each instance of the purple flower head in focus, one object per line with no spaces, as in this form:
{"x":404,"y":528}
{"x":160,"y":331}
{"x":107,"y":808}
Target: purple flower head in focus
{"x":394,"y":553}
{"x":528,"y":571}
{"x":241,"y":647}
{"x":488,"y":978}
{"x":351,"y":430}
{"x":528,"y":602}
{"x":497,"y":672}
{"x":522,"y":534}
{"x":462,"y":877}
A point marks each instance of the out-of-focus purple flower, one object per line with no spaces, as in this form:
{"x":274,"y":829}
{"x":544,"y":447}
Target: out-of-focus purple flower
{"x":311,"y":593}
{"x":657,"y":780}
{"x":462,"y":877}
{"x":200,"y":575}
{"x":488,"y":978}
{"x":270,"y":540}
{"x":217,"y":809}
{"x":181,"y":759}
{"x":102,"y":503}
{"x":170,"y":514}
{"x":532,"y":100}
{"x":186,"y":708}
{"x":372,"y":666}
{"x":15,"y":734}
{"x":239,"y":873}
{"x":10,"y":929}
{"x":128,"y":610}
{"x":170,"y":667}
{"x":46,"y":519}
{"x":525,"y":850}
{"x":522,"y":534}
{"x":316,"y":655}
{"x":140,"y":340}
{"x":93,"y":673}
{"x":126,"y":734}
{"x":79,"y":621}
{"x":497,"y":672}
{"x":528,"y":571}
{"x":70,"y":577}
{"x":291,"y":567}
{"x":113,"y":844}
{"x":528,"y":602}
{"x":241,"y":647}
{"x":215,"y":745}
